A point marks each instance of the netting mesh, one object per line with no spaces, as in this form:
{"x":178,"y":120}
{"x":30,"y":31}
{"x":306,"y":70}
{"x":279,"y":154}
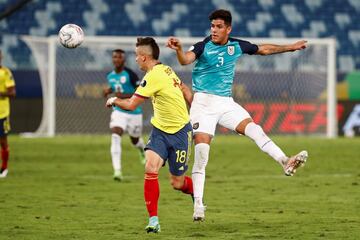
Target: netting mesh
{"x":285,"y":93}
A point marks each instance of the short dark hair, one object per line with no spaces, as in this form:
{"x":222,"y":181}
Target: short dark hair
{"x":118,"y":50}
{"x":149,"y":41}
{"x":221,"y":14}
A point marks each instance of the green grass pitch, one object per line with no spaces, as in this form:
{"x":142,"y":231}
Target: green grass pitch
{"x":62,"y":188}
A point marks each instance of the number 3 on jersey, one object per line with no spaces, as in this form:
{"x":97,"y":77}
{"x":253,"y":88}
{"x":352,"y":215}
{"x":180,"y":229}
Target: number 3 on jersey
{"x":221,"y":61}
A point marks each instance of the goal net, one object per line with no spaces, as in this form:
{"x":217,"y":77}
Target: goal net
{"x":291,"y":93}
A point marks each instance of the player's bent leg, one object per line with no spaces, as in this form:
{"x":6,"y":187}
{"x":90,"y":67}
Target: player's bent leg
{"x":256,"y":133}
{"x":134,"y":128}
{"x":151,"y":189}
{"x":138,"y":142}
{"x":182,"y":183}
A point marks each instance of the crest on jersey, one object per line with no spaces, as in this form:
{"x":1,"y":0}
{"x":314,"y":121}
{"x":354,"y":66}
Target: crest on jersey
{"x":195,"y":126}
{"x":231,"y":50}
{"x":123,"y":79}
{"x":143,"y":83}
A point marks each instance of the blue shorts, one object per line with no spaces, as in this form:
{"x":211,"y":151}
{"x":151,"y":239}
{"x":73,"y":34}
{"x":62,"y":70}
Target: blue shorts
{"x":4,"y":126}
{"x":174,"y":148}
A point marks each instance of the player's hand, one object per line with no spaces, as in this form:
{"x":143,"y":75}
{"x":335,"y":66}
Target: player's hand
{"x":299,"y":45}
{"x":173,"y":43}
{"x":110,"y":102}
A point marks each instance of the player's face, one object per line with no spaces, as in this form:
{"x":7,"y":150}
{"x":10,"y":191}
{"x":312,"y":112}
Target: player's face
{"x":140,"y":58}
{"x":118,"y":59}
{"x":219,"y":31}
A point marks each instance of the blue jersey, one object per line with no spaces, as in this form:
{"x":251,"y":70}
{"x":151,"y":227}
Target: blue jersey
{"x":215,"y":65}
{"x":124,"y":82}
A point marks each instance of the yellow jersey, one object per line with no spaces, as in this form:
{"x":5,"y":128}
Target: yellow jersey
{"x":6,"y":81}
{"x":163,"y":86}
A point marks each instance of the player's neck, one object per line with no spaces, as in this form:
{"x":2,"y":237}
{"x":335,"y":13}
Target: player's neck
{"x":119,"y":70}
{"x":223,"y":42}
{"x":152,"y":64}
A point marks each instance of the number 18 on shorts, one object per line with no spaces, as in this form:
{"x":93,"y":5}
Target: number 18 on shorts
{"x":172,"y":148}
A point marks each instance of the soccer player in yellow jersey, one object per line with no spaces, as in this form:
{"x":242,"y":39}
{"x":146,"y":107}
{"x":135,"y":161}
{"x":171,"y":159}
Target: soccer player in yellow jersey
{"x":171,"y":137}
{"x":7,"y":90}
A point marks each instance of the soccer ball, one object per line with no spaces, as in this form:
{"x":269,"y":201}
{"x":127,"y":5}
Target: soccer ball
{"x":71,"y":35}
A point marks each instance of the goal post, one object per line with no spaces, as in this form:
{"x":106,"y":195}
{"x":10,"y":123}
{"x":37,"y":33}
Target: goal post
{"x":43,"y":50}
{"x":291,"y":93}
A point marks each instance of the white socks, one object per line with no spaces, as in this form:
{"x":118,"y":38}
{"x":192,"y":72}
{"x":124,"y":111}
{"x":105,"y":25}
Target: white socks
{"x":116,"y":151}
{"x":256,"y":133}
{"x":198,"y":171}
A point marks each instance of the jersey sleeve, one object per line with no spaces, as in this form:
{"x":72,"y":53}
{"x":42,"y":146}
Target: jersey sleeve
{"x":134,"y":79}
{"x":198,"y":48}
{"x":148,"y":86}
{"x":108,"y":82}
{"x":247,"y":47}
{"x":9,"y":79}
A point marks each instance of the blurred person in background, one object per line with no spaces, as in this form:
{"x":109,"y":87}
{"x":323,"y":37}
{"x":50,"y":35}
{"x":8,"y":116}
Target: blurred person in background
{"x":123,"y":82}
{"x":7,"y":91}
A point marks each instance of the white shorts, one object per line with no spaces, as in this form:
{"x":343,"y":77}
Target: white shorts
{"x":132,"y":123}
{"x":208,"y":110}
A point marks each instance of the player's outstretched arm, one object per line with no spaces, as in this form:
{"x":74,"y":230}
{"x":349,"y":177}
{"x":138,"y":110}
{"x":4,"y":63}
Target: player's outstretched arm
{"x":129,"y":104}
{"x":184,"y":58}
{"x":268,"y":49}
{"x":188,"y":95}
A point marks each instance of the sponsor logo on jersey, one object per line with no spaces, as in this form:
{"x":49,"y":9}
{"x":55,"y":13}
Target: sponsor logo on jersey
{"x":123,"y":79}
{"x":231,"y":50}
{"x":212,"y":52}
{"x":195,"y":126}
{"x":143,"y":83}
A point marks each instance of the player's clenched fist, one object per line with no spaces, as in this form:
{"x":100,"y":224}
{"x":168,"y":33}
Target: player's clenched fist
{"x":173,"y":43}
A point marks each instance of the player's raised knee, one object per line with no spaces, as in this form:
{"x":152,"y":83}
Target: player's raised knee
{"x":177,"y":183}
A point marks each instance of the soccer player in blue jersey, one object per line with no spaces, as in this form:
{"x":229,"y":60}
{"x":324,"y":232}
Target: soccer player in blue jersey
{"x":7,"y":91}
{"x":212,"y":77}
{"x":171,"y":137}
{"x":123,"y":82}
